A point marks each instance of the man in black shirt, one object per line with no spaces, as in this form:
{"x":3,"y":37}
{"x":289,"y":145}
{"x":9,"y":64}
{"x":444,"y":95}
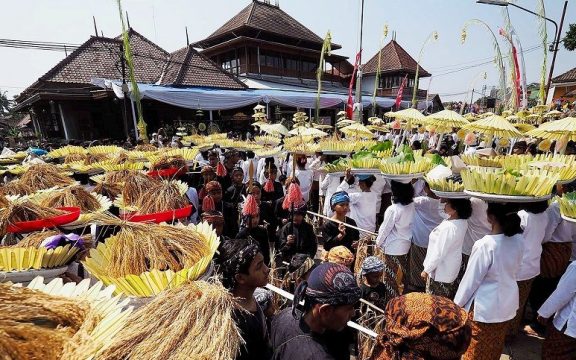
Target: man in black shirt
{"x":329,"y":297}
{"x":296,"y":237}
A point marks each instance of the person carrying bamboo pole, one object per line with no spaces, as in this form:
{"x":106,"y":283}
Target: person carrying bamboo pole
{"x":329,"y":297}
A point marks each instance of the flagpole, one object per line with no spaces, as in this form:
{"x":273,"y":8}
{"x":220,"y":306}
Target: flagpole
{"x":359,"y":72}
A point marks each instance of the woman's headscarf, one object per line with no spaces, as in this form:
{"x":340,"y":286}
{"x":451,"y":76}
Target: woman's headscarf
{"x":423,"y":327}
{"x":339,"y":197}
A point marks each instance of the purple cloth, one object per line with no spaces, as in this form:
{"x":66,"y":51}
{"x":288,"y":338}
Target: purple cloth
{"x":53,"y":242}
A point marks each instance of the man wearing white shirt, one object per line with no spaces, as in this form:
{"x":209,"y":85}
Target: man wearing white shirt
{"x":250,"y":159}
{"x":560,"y":341}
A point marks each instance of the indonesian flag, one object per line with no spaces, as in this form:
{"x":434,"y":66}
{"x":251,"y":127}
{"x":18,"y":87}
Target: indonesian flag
{"x":400,"y":92}
{"x":350,"y":102}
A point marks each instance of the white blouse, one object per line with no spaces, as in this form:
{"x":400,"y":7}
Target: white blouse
{"x":478,"y":225}
{"x":558,"y":229}
{"x":329,"y":186}
{"x":490,"y":279}
{"x":395,"y":233}
{"x":305,"y":177}
{"x":444,"y":255}
{"x":562,"y":302}
{"x":362,"y":206}
{"x":426,"y":218}
{"x":534,"y":226}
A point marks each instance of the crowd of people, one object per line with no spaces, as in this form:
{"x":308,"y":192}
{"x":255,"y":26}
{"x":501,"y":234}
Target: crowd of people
{"x":450,"y":277}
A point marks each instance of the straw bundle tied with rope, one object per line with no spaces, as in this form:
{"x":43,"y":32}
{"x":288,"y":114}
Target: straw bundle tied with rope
{"x":145,"y":147}
{"x":35,"y":325}
{"x":137,"y":185}
{"x":16,"y":187}
{"x":111,"y":191}
{"x":140,"y":247}
{"x":169,"y":162}
{"x":86,"y":159}
{"x":74,"y":196}
{"x":191,"y":322}
{"x":44,"y":176}
{"x":118,"y":176}
{"x":161,"y":197}
{"x":24,"y":211}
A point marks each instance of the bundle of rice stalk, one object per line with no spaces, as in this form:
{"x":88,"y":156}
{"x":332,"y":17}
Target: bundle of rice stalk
{"x":15,"y":188}
{"x":142,"y":260}
{"x":136,"y":185}
{"x":57,"y":321}
{"x":115,"y":176}
{"x":167,"y":162}
{"x":111,"y":191}
{"x":511,"y":183}
{"x":73,"y":196}
{"x":24,"y":210}
{"x":167,"y":195}
{"x":145,"y":147}
{"x":74,"y":157}
{"x":3,"y":201}
{"x":44,"y":176}
{"x":66,"y":150}
{"x":194,"y":321}
{"x":405,"y":168}
{"x":35,"y":239}
{"x":478,"y":161}
{"x":367,"y":344}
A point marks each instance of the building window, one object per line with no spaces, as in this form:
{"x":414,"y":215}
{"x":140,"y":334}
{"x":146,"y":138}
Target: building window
{"x":230,"y":63}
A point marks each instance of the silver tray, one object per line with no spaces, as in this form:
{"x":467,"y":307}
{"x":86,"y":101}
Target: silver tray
{"x":507,"y":198}
{"x":451,"y":194}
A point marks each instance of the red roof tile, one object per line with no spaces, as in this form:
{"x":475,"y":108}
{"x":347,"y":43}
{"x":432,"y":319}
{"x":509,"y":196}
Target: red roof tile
{"x":394,"y":59}
{"x":187,"y":67}
{"x":568,"y":76}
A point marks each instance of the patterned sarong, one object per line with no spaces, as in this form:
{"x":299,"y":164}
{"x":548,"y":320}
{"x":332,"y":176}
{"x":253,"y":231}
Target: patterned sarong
{"x":558,"y":346}
{"x":417,"y":256}
{"x":395,"y":271}
{"x":447,"y":290}
{"x":524,"y":290}
{"x":555,"y":259}
{"x":487,"y":341}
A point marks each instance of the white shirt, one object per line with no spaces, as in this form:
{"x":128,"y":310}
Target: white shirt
{"x":478,"y":225}
{"x":490,"y":279}
{"x":305,"y":177}
{"x":329,"y":186}
{"x":378,"y":188}
{"x":362,"y":206}
{"x":316,"y":164}
{"x":562,"y":302}
{"x":426,"y":218}
{"x":419,"y":188}
{"x":192,"y":195}
{"x":534,"y":226}
{"x":395,"y":233}
{"x":558,"y":229}
{"x":444,"y":254}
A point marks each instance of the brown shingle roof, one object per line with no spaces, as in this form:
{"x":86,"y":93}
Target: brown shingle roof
{"x":100,"y":57}
{"x":267,"y":18}
{"x":394,"y":59}
{"x":568,"y":76}
{"x":187,"y":67}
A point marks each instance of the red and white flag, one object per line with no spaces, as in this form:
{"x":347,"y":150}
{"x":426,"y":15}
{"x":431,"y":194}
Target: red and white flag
{"x":400,"y":92}
{"x":350,"y":102}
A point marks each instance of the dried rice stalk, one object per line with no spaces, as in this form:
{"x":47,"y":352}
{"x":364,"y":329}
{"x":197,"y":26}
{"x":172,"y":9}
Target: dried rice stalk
{"x":24,"y":211}
{"x":168,"y":162}
{"x":111,"y":191}
{"x":162,"y":197}
{"x":3,"y":201}
{"x":136,"y":186}
{"x":366,"y":344}
{"x":16,"y":187}
{"x":191,"y":322}
{"x":145,"y":147}
{"x":36,"y":238}
{"x":142,"y":247}
{"x":70,"y":158}
{"x":75,"y":196}
{"x":35,"y":325}
{"x":44,"y":176}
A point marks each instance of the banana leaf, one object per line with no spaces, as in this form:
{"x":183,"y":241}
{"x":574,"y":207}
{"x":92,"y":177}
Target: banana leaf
{"x":382,"y":146}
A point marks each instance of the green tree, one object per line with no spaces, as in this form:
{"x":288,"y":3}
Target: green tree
{"x":5,"y":103}
{"x":570,"y":38}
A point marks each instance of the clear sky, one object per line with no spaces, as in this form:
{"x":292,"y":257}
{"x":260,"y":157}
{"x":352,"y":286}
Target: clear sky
{"x":163,"y":22}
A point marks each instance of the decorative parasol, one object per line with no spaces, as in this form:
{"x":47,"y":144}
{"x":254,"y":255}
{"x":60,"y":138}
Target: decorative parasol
{"x":524,"y":128}
{"x":495,"y":126}
{"x":345,"y":122}
{"x":307,"y":131}
{"x":377,"y":128}
{"x":553,"y":113}
{"x":357,"y":130}
{"x":556,"y":130}
{"x":409,"y":114}
{"x":274,"y":129}
{"x":446,"y":119}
